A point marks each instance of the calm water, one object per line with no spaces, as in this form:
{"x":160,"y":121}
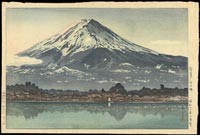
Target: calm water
{"x":97,"y":115}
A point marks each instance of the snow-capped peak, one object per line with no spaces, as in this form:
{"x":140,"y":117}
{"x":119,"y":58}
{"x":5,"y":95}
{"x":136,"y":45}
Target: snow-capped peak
{"x":79,"y":22}
{"x":83,"y":35}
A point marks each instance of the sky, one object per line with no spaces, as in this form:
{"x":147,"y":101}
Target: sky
{"x":163,"y":30}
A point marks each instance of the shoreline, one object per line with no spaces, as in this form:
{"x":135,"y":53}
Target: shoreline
{"x":136,"y":102}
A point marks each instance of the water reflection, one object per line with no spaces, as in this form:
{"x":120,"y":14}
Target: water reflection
{"x":30,"y":110}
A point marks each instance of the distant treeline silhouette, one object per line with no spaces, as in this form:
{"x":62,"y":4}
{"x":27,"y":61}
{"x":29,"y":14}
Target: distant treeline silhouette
{"x":118,"y":88}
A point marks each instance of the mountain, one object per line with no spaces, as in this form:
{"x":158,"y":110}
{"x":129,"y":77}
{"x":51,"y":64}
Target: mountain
{"x":88,"y":53}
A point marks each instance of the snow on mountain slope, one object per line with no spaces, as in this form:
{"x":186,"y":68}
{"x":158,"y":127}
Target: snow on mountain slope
{"x":87,"y":42}
{"x":83,"y":35}
{"x":91,"y":55}
{"x":71,"y":71}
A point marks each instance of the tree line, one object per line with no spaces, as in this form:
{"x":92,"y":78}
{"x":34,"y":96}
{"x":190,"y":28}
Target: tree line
{"x":118,"y":88}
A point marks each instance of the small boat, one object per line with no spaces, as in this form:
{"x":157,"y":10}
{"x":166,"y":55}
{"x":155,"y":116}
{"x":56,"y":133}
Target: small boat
{"x":109,"y":100}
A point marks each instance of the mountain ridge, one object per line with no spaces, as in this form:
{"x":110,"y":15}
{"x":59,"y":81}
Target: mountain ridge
{"x":92,"y":30}
{"x":88,"y":36}
{"x":90,"y":54}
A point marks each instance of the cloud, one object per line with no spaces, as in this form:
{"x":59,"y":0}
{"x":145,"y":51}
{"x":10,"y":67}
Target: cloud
{"x":13,"y":60}
{"x":171,"y":47}
{"x":165,"y":42}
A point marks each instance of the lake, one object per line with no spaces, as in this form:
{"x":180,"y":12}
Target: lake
{"x":30,"y":115}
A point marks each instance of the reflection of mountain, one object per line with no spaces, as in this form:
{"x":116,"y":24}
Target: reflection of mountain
{"x":30,"y":110}
{"x":118,"y":112}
